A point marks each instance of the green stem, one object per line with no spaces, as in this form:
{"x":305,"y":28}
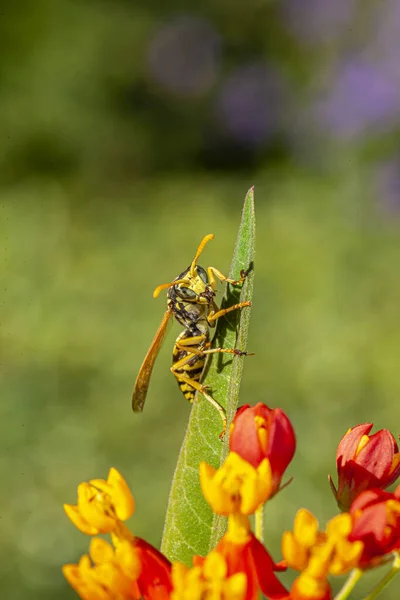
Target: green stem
{"x":385,"y":580}
{"x":259,"y":523}
{"x":350,"y":584}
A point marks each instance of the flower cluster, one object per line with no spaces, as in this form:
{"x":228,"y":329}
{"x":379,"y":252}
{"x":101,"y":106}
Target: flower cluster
{"x":130,"y":568}
{"x":262,"y":444}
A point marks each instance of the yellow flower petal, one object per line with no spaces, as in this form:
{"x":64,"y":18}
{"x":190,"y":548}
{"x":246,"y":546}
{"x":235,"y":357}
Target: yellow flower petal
{"x":75,"y":516}
{"x":128,"y":559}
{"x":236,"y":486}
{"x":293,"y":552}
{"x":239,"y":529}
{"x":346,"y":557}
{"x":310,"y":588}
{"x":340,"y":526}
{"x":118,"y":491}
{"x":215,"y":566}
{"x":217,"y":497}
{"x":178,"y":575}
{"x":96,"y":508}
{"x":305,"y":528}
{"x":100,"y":551}
{"x":235,"y":587}
{"x":81,"y":578}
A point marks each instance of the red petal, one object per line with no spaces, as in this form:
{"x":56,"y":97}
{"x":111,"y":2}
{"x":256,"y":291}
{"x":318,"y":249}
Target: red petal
{"x":348,"y":444}
{"x":358,"y":478}
{"x":154,"y":580}
{"x":281,"y":442}
{"x":369,"y":498}
{"x":244,"y":437}
{"x":270,"y":585}
{"x":377,"y":455}
{"x":253,"y":559}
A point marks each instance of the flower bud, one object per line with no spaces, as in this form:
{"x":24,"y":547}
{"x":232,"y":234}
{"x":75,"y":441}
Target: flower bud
{"x":259,"y":433}
{"x":364,"y":462}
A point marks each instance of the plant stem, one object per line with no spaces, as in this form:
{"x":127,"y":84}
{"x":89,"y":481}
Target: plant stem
{"x":259,"y":523}
{"x":385,"y":580}
{"x":350,"y":584}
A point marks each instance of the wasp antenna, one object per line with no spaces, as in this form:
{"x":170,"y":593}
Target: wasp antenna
{"x":160,"y":288}
{"x":200,"y":249}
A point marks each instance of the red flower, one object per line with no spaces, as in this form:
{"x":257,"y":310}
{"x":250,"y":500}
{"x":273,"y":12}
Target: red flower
{"x":258,"y":432}
{"x":364,"y":462}
{"x":243,"y":553}
{"x":376,"y":523}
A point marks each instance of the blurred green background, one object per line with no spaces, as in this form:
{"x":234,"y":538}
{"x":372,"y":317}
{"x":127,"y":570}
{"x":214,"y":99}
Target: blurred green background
{"x":128,"y":131}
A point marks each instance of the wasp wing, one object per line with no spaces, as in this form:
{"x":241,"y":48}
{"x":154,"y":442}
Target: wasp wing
{"x":143,"y":378}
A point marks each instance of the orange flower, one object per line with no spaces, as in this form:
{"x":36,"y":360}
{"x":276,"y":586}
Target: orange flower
{"x":237,"y":486}
{"x":129,"y":571}
{"x":376,"y":523}
{"x":316,"y":554}
{"x":132,"y":568}
{"x":310,"y":586}
{"x":364,"y":462}
{"x":207,"y":581}
{"x":106,"y":572}
{"x":243,"y":553}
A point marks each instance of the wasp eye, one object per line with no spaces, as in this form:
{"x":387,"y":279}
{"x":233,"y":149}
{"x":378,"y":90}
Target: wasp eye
{"x":185,"y":292}
{"x":203,"y":275}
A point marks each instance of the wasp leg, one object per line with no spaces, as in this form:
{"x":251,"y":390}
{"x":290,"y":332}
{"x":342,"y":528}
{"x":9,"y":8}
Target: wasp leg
{"x":234,"y":351}
{"x":213,"y":316}
{"x":207,"y":350}
{"x":198,"y":386}
{"x":213,"y":272}
{"x":197,"y":341}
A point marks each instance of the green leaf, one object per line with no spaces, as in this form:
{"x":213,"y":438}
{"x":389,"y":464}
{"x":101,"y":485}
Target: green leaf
{"x":190,"y":525}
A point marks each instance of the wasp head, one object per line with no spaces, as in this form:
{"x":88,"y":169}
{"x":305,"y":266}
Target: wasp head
{"x":193,"y":286}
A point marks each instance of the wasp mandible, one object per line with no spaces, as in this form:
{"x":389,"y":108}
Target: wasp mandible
{"x":191,"y":302}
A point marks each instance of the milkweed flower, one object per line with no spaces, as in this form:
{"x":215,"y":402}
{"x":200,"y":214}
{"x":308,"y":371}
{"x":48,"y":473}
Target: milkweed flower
{"x":241,"y":553}
{"x":237,"y":486}
{"x":127,"y":571}
{"x":376,"y":523}
{"x":130,"y":568}
{"x":102,"y":504}
{"x":317,"y":554}
{"x":106,"y":572}
{"x":207,"y":581}
{"x":364,"y":462}
{"x":259,"y":433}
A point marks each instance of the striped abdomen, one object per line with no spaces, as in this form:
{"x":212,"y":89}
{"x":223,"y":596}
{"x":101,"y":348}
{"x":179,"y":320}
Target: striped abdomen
{"x":193,"y":367}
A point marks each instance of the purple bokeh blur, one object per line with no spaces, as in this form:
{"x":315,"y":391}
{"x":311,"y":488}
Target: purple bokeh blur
{"x":316,"y":21}
{"x":363,"y":99}
{"x":350,"y":92}
{"x":250,"y":105}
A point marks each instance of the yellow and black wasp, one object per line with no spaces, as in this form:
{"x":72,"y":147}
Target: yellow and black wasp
{"x":191,"y":302}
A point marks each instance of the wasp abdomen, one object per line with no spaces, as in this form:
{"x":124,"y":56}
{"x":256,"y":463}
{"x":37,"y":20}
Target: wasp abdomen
{"x":193,"y":365}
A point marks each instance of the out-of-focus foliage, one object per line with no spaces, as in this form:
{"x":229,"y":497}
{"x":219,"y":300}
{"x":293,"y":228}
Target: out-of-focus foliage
{"x":128,"y":131}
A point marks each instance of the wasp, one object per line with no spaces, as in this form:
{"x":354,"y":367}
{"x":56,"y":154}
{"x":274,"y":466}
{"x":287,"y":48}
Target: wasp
{"x":190,"y":299}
